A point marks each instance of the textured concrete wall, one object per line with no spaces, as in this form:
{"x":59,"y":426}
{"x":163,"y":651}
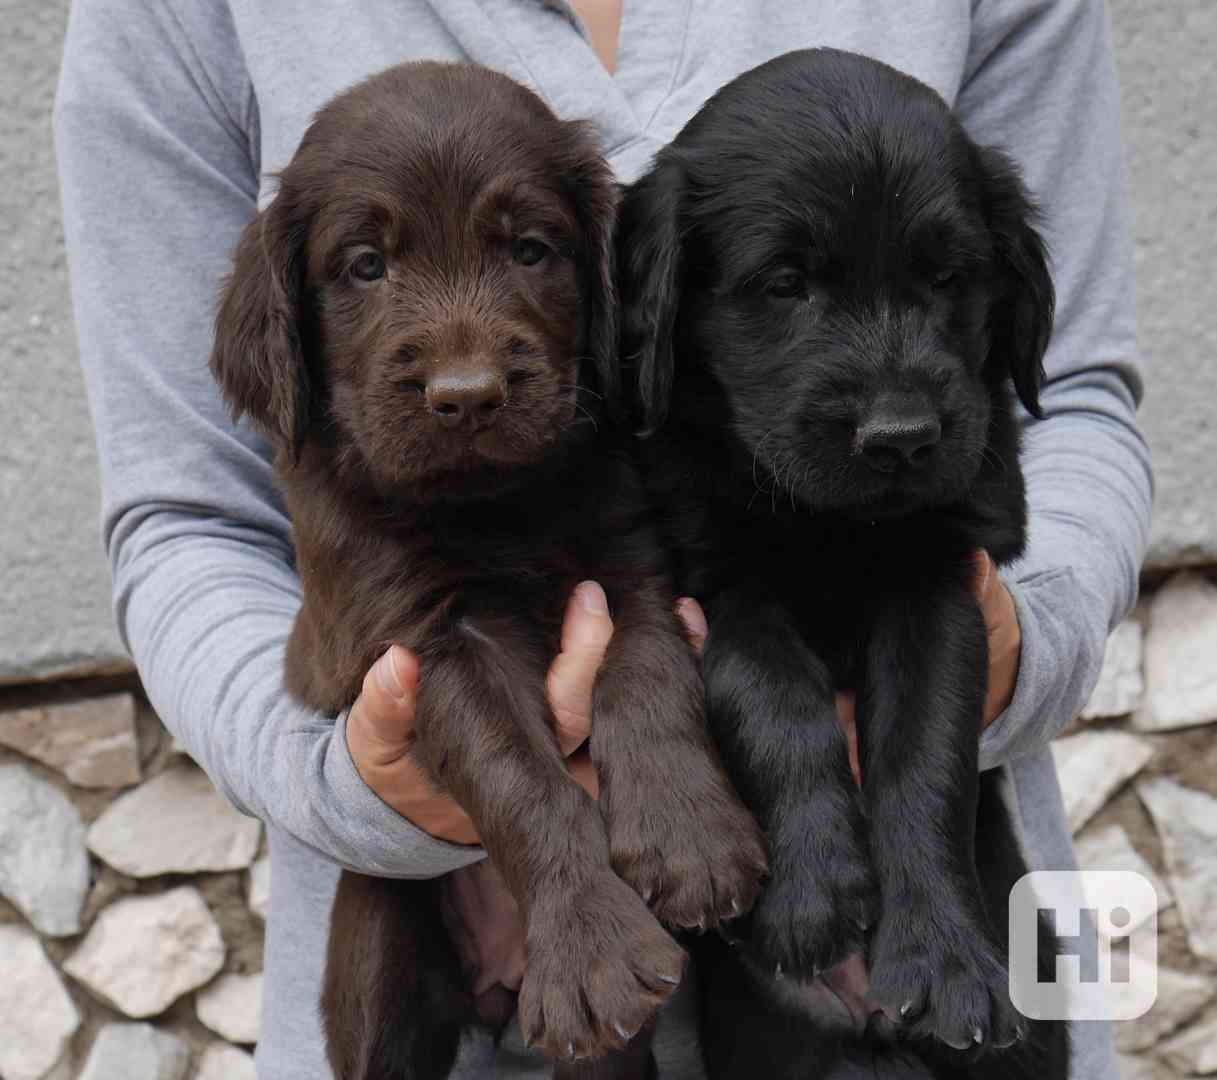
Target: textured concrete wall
{"x":54,"y":614}
{"x":54,"y":589}
{"x":1165,"y":51}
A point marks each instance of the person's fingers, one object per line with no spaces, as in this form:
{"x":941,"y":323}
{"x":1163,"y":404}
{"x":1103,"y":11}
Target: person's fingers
{"x":380,"y":735}
{"x":694,"y":619}
{"x":985,"y":585}
{"x":583,"y":772}
{"x":384,"y":713}
{"x":1005,"y":635}
{"x":586,"y":632}
{"x":846,"y":717}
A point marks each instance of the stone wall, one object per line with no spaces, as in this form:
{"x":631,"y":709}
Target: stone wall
{"x":121,"y":956}
{"x":131,"y":898}
{"x":131,"y":894}
{"x":1139,"y":775}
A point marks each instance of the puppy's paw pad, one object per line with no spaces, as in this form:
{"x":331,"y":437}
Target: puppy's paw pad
{"x":599,"y":967}
{"x":950,"y":988}
{"x":815,"y":910}
{"x":695,"y":868}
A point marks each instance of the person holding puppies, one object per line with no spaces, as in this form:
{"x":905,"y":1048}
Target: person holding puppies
{"x":170,"y":122}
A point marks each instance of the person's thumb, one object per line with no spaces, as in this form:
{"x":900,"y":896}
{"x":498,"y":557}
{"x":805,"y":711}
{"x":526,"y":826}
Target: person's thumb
{"x":384,"y":713}
{"x":586,"y":632}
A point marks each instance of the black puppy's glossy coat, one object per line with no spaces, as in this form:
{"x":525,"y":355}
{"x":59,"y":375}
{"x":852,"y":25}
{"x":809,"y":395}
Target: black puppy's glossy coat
{"x":828,"y":292}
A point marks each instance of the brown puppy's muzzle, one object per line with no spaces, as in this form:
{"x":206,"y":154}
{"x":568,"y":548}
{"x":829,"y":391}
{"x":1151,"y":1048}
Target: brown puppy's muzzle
{"x":466,"y":396}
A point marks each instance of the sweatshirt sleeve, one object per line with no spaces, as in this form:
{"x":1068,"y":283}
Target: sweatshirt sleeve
{"x":156,"y":134}
{"x":1041,"y":83}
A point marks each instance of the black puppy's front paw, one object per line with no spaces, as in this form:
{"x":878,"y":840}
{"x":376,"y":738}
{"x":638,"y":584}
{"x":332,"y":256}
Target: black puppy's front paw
{"x":942,"y":982}
{"x":821,"y":898}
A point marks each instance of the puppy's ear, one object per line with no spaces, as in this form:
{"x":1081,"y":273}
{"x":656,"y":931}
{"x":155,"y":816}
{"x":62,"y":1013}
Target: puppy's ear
{"x":595,"y":196}
{"x":257,"y":357}
{"x":651,"y":260}
{"x":1022,"y":318}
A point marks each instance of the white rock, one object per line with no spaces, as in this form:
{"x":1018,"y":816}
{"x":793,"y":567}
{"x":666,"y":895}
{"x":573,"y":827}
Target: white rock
{"x":92,"y":742}
{"x":1092,"y":765}
{"x":44,"y":868}
{"x":1180,"y":656}
{"x":144,"y":952}
{"x":1180,"y":997}
{"x":232,"y":1007}
{"x":1194,"y":1053}
{"x":37,"y":1017}
{"x":1120,"y":685}
{"x":259,"y":886}
{"x":1110,"y":849}
{"x":220,"y":1062}
{"x":1134,"y":1068}
{"x":1187,"y":823}
{"x":175,"y":823}
{"x":136,"y":1052}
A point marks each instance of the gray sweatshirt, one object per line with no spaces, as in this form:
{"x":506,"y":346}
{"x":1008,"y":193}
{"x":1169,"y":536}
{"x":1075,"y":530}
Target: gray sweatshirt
{"x":171,"y":116}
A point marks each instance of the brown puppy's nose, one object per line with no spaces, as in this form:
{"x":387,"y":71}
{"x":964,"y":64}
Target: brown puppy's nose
{"x":888,"y":442}
{"x":467,"y":398}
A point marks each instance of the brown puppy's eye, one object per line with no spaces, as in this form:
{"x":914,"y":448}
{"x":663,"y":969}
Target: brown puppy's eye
{"x":943,"y":278}
{"x":368,"y":266}
{"x":787,"y":285}
{"x":527,"y":251}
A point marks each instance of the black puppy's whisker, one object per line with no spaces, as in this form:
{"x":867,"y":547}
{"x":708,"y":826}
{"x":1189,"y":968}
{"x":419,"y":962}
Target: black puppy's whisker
{"x":588,"y":416}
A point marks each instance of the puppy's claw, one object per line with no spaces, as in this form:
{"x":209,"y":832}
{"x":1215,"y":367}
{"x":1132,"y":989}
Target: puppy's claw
{"x":620,"y":1029}
{"x":777,"y":972}
{"x":570,"y":1050}
{"x":978,"y":1036}
{"x":863,"y":918}
{"x":905,"y":1009}
{"x":647,"y":894}
{"x":671,"y":980}
{"x":735,"y":908}
{"x":1017,"y":1035}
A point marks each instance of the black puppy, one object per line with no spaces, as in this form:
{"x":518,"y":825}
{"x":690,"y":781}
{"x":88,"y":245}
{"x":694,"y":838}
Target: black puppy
{"x":828,"y":290}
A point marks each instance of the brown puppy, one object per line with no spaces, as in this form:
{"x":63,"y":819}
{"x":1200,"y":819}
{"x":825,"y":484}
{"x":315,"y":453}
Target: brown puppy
{"x":424,"y":322}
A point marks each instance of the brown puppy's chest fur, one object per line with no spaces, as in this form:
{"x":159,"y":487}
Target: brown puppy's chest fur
{"x":408,"y":575}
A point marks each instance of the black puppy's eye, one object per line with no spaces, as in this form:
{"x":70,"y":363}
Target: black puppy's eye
{"x":528,"y":251}
{"x":787,"y":285}
{"x":368,"y":266}
{"x":943,"y":278}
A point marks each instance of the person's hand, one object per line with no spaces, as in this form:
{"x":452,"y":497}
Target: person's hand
{"x":1005,"y":646}
{"x":380,"y":725}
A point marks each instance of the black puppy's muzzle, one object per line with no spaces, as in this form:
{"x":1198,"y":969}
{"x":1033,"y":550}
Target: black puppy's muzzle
{"x":893,"y":438}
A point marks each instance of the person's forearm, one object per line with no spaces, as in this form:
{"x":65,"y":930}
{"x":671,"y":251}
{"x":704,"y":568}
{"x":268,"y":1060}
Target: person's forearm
{"x":157,"y":181}
{"x":207,"y":617}
{"x":1041,"y":84}
{"x":1089,"y":487}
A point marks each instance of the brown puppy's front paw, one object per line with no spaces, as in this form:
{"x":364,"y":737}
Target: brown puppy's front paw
{"x":697,"y":857}
{"x":599,"y":966}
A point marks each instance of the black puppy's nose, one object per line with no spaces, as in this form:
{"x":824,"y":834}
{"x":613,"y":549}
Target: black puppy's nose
{"x":887,"y":443}
{"x":467,"y":398}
